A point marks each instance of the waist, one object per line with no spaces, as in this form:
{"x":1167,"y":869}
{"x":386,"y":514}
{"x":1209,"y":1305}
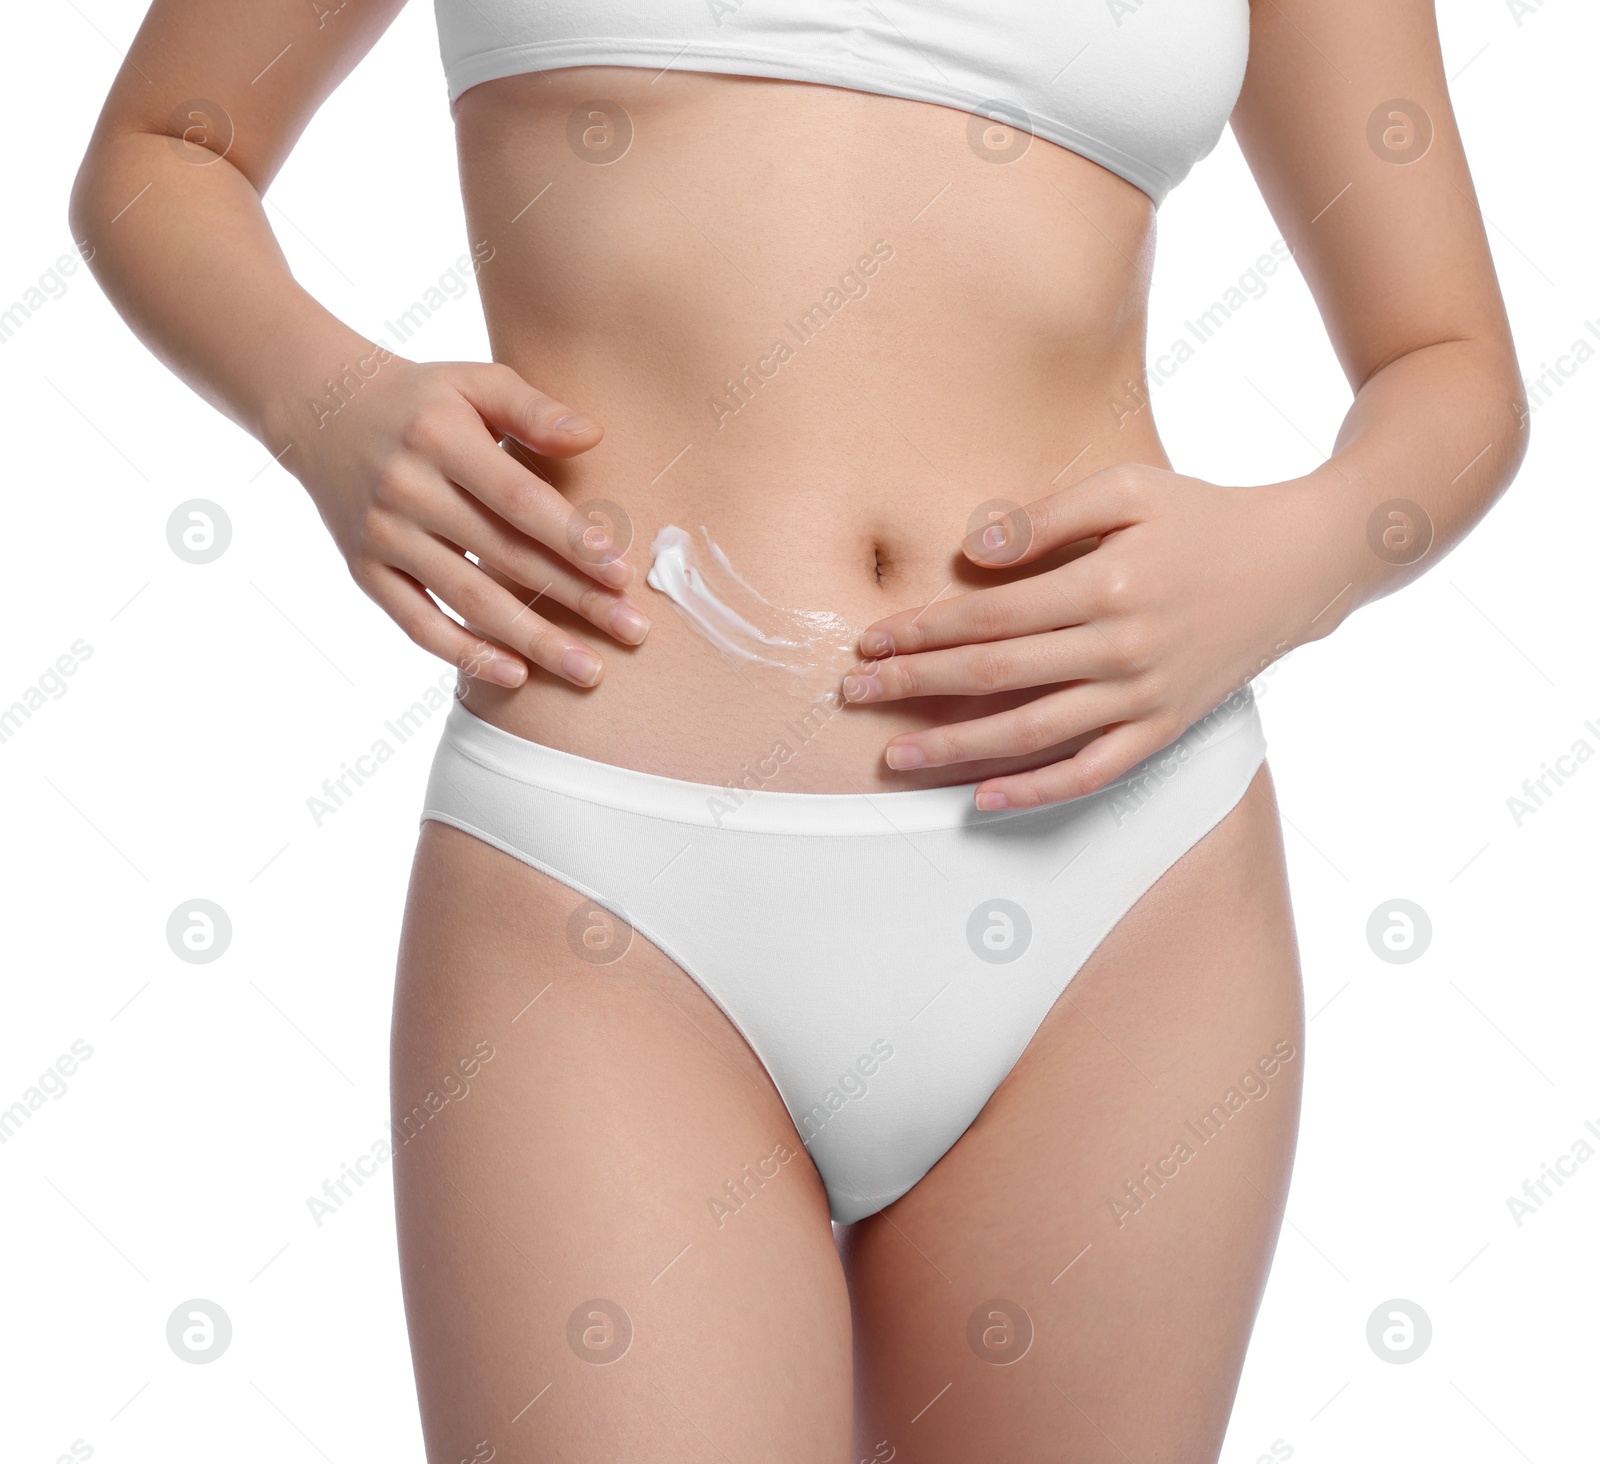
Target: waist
{"x":805,"y":549}
{"x":806,"y":537}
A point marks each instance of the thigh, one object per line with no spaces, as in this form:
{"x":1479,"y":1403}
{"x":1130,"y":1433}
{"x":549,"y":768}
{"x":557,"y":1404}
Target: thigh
{"x":1077,"y":1278}
{"x":604,"y":1253}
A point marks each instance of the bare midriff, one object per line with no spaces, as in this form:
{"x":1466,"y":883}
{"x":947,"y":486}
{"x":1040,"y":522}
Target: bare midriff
{"x":825,"y":326}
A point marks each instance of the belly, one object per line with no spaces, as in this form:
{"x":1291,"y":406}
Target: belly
{"x":828,"y":327}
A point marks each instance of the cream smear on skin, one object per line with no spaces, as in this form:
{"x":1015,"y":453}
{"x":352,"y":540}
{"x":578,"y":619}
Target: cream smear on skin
{"x":811,"y":649}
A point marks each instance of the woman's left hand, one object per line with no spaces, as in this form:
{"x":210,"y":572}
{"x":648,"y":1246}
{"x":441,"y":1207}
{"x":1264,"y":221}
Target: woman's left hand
{"x":1191,"y":590}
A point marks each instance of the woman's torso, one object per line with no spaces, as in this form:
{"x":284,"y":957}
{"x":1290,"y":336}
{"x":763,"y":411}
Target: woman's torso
{"x":983,"y":340}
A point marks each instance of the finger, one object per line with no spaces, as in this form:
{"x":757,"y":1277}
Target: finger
{"x":413,"y":610}
{"x":526,"y":501}
{"x":1094,"y":766}
{"x":514,"y":409}
{"x":1045,"y":722}
{"x":498,"y":614}
{"x":973,"y":670}
{"x":1094,"y":505}
{"x":999,"y":612}
{"x":466,"y":524}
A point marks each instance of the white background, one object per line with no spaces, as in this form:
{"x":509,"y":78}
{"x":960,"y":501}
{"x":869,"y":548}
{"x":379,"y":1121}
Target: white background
{"x":217,"y":698}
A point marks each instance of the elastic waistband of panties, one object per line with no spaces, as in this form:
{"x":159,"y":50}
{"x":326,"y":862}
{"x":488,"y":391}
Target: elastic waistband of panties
{"x":765,"y":810}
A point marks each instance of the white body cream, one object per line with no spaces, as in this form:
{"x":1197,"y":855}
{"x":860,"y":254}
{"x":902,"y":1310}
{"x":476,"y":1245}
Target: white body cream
{"x":810,"y":647}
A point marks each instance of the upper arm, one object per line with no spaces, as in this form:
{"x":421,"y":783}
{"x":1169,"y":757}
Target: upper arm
{"x":241,"y":77}
{"x":1337,"y":95}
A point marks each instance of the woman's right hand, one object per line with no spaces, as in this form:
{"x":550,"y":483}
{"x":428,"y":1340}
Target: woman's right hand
{"x":409,"y":477}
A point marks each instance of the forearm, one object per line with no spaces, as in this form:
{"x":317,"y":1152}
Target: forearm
{"x":185,"y":253}
{"x":1443,"y":429}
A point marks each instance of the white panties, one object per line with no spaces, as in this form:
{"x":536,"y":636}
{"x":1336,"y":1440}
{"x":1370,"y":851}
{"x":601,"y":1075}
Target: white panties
{"x":887,"y":956}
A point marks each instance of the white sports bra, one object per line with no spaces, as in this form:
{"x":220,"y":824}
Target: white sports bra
{"x":1142,"y":87}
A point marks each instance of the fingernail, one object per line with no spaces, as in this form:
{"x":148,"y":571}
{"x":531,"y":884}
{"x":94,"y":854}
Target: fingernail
{"x":990,"y":801}
{"x":876,"y":643}
{"x":628,"y":623}
{"x":905,"y":756}
{"x":573,"y":423}
{"x":581,"y":666}
{"x":618,"y":572}
{"x":861,"y":688}
{"x":504,"y":672}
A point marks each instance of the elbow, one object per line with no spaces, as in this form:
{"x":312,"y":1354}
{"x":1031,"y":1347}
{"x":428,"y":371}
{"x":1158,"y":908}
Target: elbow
{"x":1492,"y":375}
{"x":101,"y":190}
{"x":1521,"y":435}
{"x":1519,"y":410}
{"x":1505,"y":405}
{"x":81,"y":204}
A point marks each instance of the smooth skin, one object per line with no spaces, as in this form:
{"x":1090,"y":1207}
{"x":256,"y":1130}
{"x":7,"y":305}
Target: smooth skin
{"x":1124,"y":595}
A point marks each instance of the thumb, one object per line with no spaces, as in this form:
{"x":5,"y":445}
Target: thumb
{"x":514,"y":409}
{"x":1001,"y":533}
